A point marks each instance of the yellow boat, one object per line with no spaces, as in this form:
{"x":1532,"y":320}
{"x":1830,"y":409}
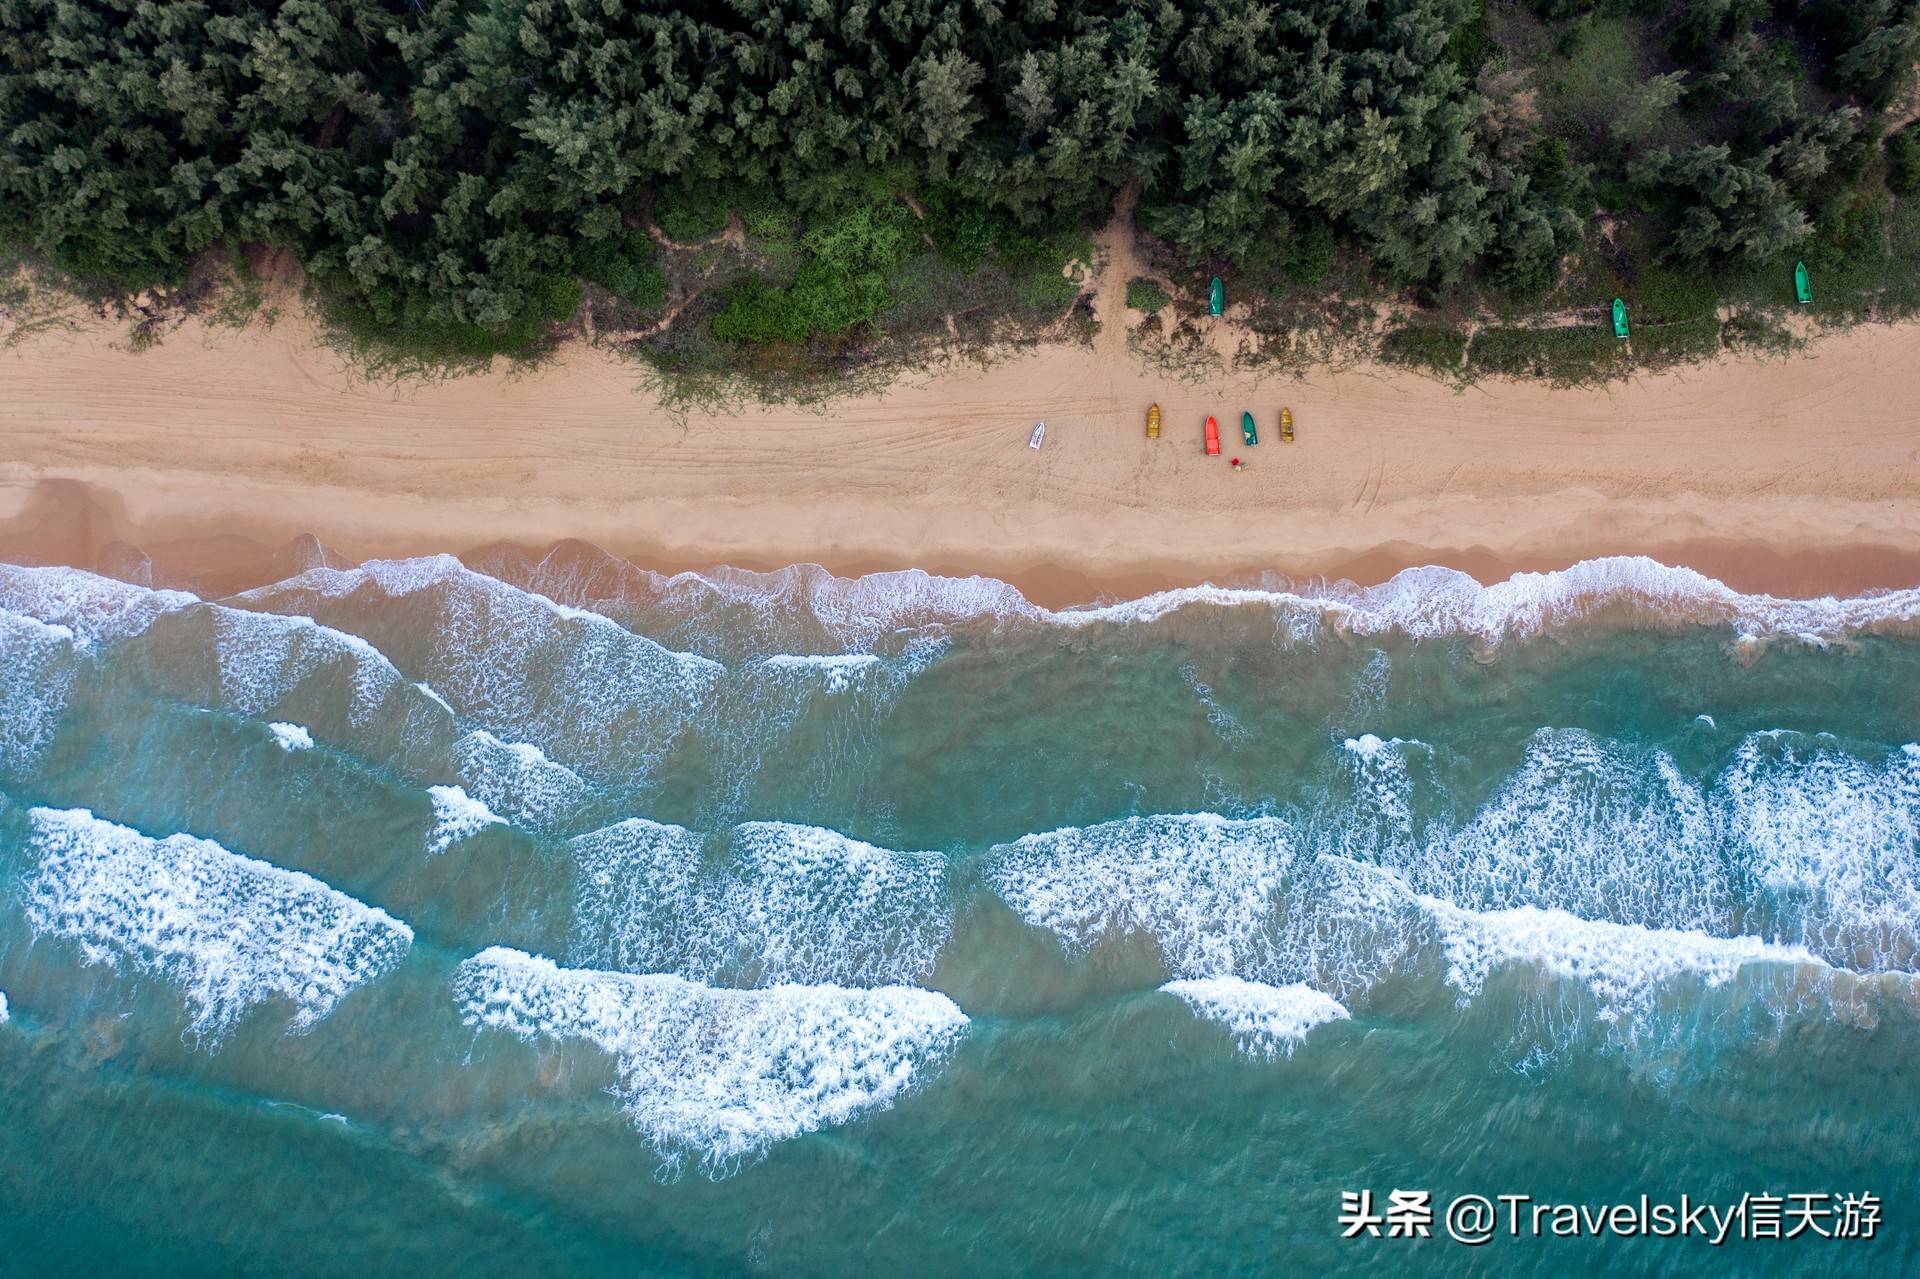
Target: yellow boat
{"x":1153,"y":421}
{"x":1286,"y":426}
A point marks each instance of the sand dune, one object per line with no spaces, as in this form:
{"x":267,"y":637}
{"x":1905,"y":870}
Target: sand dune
{"x":1796,"y":475}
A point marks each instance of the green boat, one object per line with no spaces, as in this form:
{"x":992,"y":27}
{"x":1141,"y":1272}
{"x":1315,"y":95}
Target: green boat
{"x":1217,"y":300}
{"x":1802,"y":283}
{"x":1619,"y":317}
{"x":1246,"y":429}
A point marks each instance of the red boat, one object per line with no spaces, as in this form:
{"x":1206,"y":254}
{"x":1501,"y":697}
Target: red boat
{"x":1213,"y":437}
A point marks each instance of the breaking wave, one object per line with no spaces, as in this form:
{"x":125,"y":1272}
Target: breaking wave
{"x":587,"y":691}
{"x":765,"y":902}
{"x":1266,"y":1021}
{"x":1834,"y":841}
{"x":38,"y":663}
{"x":456,"y":816}
{"x":718,"y":1074}
{"x":291,"y":737}
{"x":97,"y":610}
{"x":518,"y":781}
{"x":1793,"y":840}
{"x":228,"y":931}
{"x":1247,"y":901}
{"x":265,"y":666}
{"x":1594,"y":828}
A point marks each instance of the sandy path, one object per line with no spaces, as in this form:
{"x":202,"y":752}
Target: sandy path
{"x":265,"y":435}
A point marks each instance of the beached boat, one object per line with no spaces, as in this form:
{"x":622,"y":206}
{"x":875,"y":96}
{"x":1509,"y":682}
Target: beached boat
{"x":1038,"y":437}
{"x":1247,"y":430}
{"x":1802,"y":282}
{"x":1286,"y":426}
{"x":1217,"y":297}
{"x":1619,"y":317}
{"x":1153,"y":421}
{"x":1213,"y":437}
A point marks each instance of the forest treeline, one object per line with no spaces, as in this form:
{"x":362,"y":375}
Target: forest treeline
{"x":460,"y":167}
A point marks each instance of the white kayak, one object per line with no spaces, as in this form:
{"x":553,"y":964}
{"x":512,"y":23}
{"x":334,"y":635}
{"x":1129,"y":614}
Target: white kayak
{"x":1039,"y":435}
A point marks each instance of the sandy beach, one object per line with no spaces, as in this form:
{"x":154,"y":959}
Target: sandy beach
{"x":212,"y":450}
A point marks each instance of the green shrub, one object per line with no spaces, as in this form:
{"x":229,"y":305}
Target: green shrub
{"x":1144,"y":295}
{"x":690,"y":214}
{"x":1903,"y":161}
{"x":1047,"y":289}
{"x":1309,"y":254}
{"x":842,"y":285}
{"x":1470,"y":44}
{"x":553,"y":299}
{"x":626,"y":265}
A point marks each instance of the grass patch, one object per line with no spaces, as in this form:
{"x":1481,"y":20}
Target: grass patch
{"x":1753,"y":333}
{"x":1429,"y":348}
{"x":1662,"y":294}
{"x":1660,"y":346}
{"x":1577,"y":355}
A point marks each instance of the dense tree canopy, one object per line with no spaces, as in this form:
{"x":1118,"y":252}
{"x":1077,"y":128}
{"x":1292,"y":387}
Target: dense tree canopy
{"x":463,"y":164}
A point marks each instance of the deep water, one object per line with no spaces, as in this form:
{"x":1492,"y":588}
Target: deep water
{"x":558,"y":918}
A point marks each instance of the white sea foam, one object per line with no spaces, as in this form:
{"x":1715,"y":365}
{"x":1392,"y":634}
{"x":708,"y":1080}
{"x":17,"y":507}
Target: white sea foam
{"x":1835,"y":843}
{"x":517,"y":780}
{"x":1622,"y":965}
{"x":639,"y":900}
{"x":799,"y":609}
{"x":785,"y":903}
{"x":96,"y":609}
{"x":229,"y":931}
{"x":264,"y":656}
{"x":1224,"y":722}
{"x":1594,"y":828}
{"x":1219,"y":897}
{"x":1203,"y":886}
{"x":456,"y":816}
{"x":1228,"y":899}
{"x":716,"y":1073}
{"x":291,"y":737}
{"x":587,"y":691}
{"x":6,"y":1013}
{"x":1420,"y":602}
{"x":832,"y":673}
{"x":1267,"y":1021}
{"x":814,"y":905}
{"x":261,"y":658}
{"x":1432,"y":602}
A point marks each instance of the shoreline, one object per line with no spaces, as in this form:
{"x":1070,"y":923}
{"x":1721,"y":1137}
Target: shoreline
{"x":214,"y":450}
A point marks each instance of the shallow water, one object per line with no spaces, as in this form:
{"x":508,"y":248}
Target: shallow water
{"x":482,"y":918}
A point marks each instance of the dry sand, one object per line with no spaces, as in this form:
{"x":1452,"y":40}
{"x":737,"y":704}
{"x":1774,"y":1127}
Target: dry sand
{"x":1800,"y":476}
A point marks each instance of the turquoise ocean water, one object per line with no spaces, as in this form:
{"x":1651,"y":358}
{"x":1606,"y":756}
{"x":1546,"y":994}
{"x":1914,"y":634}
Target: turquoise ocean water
{"x":554,"y":917}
